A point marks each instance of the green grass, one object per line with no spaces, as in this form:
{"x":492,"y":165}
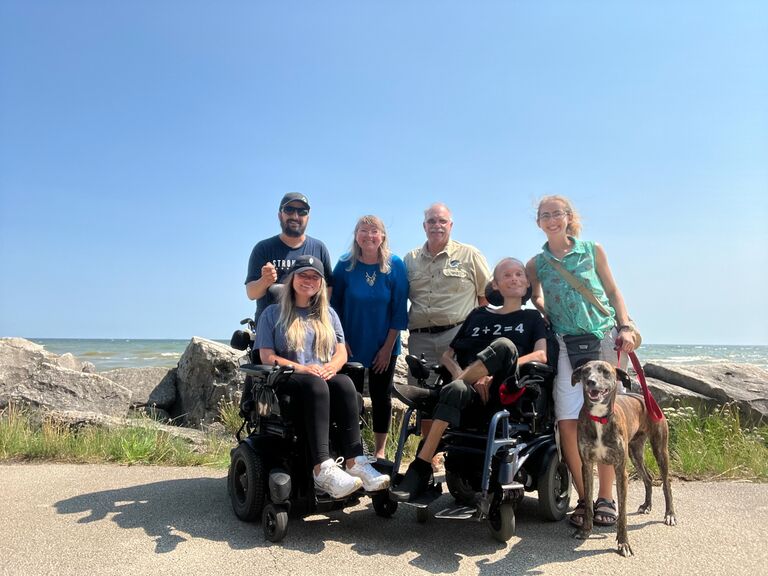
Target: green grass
{"x":23,"y":438}
{"x":714,"y":446}
{"x":409,"y":452}
{"x":702,"y":446}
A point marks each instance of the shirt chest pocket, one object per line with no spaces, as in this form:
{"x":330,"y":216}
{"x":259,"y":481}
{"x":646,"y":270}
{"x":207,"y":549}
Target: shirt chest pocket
{"x":456,"y":275}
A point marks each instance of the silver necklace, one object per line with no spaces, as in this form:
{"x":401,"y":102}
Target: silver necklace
{"x":370,"y":278}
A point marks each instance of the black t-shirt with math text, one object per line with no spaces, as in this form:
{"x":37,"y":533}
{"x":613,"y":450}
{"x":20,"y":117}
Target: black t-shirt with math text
{"x":523,"y":327}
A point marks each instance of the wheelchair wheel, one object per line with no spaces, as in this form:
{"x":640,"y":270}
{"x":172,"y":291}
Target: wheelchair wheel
{"x":460,"y":488}
{"x":383,"y":506}
{"x":246,"y":483}
{"x":274,"y":521}
{"x":554,"y":488}
{"x":501,"y":519}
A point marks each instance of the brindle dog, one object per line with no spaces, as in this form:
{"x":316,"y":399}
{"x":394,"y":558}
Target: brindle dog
{"x":611,"y":427}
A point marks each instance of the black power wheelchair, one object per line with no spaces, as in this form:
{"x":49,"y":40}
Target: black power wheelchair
{"x":489,"y":465}
{"x":270,"y":472}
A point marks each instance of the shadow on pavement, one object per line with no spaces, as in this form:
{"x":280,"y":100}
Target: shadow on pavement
{"x":174,"y":511}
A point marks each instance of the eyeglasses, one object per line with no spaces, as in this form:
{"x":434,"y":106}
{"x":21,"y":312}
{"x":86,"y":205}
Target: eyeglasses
{"x":441,"y":221}
{"x":298,"y":210}
{"x":557,"y":215}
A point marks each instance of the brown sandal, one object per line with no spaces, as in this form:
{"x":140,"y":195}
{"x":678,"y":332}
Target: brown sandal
{"x":578,"y":514}
{"x":605,"y":512}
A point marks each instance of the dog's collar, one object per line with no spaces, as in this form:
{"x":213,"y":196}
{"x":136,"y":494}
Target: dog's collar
{"x":599,"y":419}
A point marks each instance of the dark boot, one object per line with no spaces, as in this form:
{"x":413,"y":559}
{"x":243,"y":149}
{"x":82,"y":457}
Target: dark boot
{"x":414,"y":483}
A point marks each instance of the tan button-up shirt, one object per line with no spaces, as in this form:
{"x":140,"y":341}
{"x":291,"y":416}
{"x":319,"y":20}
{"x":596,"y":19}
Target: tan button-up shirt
{"x":444,"y":288}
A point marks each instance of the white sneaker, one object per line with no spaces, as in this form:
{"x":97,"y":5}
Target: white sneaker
{"x":373,"y":480}
{"x":333,"y":480}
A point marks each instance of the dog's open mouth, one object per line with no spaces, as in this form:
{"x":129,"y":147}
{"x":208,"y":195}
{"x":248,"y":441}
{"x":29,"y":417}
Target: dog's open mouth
{"x":596,"y":395}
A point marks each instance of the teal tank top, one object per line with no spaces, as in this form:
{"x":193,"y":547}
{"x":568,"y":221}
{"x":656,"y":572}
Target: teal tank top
{"x":567,"y":310}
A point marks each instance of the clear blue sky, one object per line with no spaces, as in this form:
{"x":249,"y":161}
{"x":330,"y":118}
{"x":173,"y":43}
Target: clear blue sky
{"x":144,"y":147}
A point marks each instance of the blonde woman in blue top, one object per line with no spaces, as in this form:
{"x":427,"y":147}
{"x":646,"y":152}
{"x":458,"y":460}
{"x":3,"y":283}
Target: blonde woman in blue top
{"x":370,"y":293}
{"x":569,"y":313}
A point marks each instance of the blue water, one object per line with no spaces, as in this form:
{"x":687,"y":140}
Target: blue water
{"x":107,"y":354}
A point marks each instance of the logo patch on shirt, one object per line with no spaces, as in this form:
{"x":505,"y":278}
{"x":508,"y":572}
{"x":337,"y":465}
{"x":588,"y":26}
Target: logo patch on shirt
{"x":454,"y":263}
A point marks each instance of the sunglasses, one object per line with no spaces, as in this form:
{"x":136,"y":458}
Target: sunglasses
{"x":295,"y":210}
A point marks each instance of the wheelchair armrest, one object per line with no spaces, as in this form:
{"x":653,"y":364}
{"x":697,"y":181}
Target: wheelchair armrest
{"x":536,"y":368}
{"x":256,"y":369}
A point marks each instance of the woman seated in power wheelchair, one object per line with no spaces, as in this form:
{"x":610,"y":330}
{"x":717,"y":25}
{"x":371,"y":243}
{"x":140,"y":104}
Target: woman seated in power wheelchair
{"x":295,"y":397}
{"x":498,"y":365}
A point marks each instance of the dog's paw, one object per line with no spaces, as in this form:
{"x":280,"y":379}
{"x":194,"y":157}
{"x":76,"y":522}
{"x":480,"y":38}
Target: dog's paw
{"x":625,"y":549}
{"x":670,"y":519}
{"x":644,"y":509}
{"x":581,"y":534}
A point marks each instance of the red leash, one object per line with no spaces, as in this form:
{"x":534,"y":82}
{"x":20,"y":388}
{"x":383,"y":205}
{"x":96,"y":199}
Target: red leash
{"x":650,"y":403}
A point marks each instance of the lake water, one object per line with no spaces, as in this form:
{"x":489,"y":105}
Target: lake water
{"x":117,"y":353}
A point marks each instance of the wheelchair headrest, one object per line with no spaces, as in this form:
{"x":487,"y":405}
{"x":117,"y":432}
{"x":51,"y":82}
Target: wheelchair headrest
{"x":495,"y":298}
{"x":276,"y":290}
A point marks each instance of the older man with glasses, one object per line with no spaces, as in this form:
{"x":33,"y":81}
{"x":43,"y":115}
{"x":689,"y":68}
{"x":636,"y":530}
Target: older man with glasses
{"x":447,"y":281}
{"x":272,"y":258}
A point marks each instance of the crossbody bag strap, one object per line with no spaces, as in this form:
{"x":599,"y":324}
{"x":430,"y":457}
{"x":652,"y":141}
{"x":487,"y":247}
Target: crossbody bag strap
{"x":578,"y":286}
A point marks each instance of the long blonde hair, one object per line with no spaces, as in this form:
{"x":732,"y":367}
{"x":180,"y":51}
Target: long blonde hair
{"x":355,"y":252}
{"x":574,"y":223}
{"x":319,"y":318}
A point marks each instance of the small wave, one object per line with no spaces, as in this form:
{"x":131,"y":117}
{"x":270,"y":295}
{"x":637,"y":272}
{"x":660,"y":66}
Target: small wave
{"x":693,"y":360}
{"x":170,"y":354}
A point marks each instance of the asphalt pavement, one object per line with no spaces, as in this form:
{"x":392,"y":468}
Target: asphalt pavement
{"x":101,"y":519}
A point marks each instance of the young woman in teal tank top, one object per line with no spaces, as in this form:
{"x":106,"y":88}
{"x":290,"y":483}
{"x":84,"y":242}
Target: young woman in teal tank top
{"x":570,"y":314}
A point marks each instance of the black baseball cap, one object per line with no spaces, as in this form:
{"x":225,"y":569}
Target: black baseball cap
{"x":305,"y":262}
{"x":294,"y":197}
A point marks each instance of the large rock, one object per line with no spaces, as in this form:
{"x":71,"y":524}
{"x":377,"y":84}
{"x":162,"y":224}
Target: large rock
{"x":151,"y":387}
{"x":669,"y":396}
{"x":31,"y":375}
{"x":207,"y":373}
{"x":744,"y":386}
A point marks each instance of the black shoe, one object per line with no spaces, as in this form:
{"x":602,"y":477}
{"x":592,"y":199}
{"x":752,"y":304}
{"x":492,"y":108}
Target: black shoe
{"x":414,"y":483}
{"x":416,"y":396}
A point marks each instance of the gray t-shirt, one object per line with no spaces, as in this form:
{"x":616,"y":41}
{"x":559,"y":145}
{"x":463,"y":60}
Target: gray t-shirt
{"x":270,"y":335}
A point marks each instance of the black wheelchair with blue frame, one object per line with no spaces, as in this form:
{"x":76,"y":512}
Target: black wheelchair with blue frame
{"x":270,"y":471}
{"x":490,"y":465}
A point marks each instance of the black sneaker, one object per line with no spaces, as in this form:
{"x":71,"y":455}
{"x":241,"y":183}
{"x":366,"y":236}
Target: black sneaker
{"x":414,"y":483}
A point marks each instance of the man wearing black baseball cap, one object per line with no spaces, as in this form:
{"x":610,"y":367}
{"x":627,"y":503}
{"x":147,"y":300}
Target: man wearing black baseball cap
{"x":272,"y":258}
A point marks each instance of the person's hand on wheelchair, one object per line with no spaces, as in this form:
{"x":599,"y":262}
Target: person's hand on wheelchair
{"x":482,"y":386}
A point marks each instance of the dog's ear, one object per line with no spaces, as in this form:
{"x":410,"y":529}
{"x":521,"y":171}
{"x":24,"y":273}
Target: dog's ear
{"x":624,"y":378}
{"x":576,"y":375}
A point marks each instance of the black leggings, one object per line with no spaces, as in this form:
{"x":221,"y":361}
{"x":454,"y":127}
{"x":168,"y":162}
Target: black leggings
{"x":380,"y":390}
{"x":323,"y":402}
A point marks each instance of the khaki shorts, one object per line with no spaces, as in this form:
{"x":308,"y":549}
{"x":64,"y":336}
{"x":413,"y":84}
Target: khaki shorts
{"x":569,"y":399}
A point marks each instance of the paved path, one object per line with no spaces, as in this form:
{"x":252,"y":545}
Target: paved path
{"x":100,"y":519}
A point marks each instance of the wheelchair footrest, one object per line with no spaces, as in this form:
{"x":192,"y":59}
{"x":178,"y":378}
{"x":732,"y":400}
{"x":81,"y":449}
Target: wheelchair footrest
{"x":458,"y":512}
